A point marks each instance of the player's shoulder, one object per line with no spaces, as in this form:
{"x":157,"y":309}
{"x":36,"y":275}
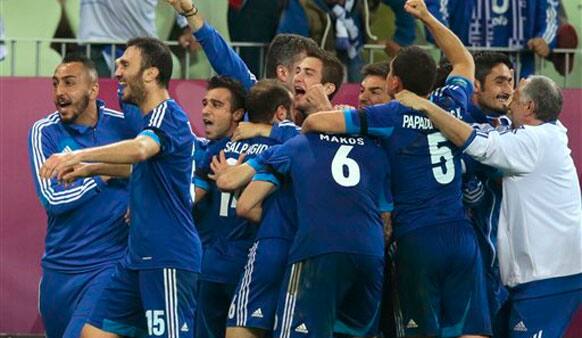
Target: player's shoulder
{"x":113,"y":114}
{"x":47,"y":124}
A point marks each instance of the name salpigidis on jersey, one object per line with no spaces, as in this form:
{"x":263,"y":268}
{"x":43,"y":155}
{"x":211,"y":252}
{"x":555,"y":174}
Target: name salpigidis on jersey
{"x":349,"y":140}
{"x":242,"y":147}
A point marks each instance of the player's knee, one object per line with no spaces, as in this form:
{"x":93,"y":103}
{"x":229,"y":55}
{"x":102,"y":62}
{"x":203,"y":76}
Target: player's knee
{"x":244,"y":332}
{"x":90,"y":331}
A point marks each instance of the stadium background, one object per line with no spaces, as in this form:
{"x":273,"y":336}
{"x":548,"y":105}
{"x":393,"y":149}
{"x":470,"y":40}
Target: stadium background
{"x":26,"y":96}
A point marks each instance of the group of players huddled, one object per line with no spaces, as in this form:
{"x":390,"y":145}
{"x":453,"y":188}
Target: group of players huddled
{"x":292,"y":218}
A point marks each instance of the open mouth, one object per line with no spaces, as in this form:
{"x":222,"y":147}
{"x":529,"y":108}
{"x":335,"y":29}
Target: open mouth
{"x":299,"y":91}
{"x":62,"y":103}
{"x":207,"y":123}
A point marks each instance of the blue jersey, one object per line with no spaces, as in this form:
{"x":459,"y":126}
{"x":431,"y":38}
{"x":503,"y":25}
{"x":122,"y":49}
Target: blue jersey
{"x":223,"y":59}
{"x":279,"y":219}
{"x":338,"y":181}
{"x":85,"y":219}
{"x":507,"y":23}
{"x":162,"y":232}
{"x":231,"y":236}
{"x":425,"y":166}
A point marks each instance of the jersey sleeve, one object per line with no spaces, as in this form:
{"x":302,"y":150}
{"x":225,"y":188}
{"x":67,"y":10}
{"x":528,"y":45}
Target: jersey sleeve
{"x":57,"y":198}
{"x":513,"y":152}
{"x":283,"y":131}
{"x":165,"y":127}
{"x":378,"y":120}
{"x":277,"y":159}
{"x":455,"y":95}
{"x":202,"y":159}
{"x":224,"y":60}
{"x":266,"y":176}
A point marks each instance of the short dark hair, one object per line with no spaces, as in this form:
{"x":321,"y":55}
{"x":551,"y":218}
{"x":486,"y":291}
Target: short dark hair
{"x":154,"y":53}
{"x":285,"y":50}
{"x":380,"y":69}
{"x":265,"y":97}
{"x":237,"y":91}
{"x":333,"y":69}
{"x":85,"y":61}
{"x":485,"y":61}
{"x":416,"y":69}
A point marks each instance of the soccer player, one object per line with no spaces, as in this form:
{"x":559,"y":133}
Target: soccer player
{"x":430,"y":228}
{"x":538,"y":175}
{"x":373,"y":85}
{"x":482,"y":184}
{"x":268,"y":101}
{"x":82,"y":247}
{"x":152,"y":290}
{"x":333,"y":280}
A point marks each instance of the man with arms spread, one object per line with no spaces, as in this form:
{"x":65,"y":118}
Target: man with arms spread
{"x":152,"y":291}
{"x":81,"y":247}
{"x":540,"y":225}
{"x":430,"y":229}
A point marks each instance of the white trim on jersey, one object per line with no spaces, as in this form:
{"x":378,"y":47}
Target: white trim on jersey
{"x":46,"y":189}
{"x":113,"y":113}
{"x":158,"y":115}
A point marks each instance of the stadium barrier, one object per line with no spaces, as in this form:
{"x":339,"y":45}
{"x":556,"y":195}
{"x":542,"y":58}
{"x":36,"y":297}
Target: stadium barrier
{"x":34,"y":57}
{"x":23,"y":221}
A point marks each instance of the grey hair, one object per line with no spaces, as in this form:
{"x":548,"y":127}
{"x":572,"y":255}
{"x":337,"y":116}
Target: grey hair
{"x":545,"y":95}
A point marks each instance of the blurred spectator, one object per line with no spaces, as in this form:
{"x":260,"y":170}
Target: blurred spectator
{"x":529,"y":25}
{"x":402,"y":24}
{"x":342,"y":25}
{"x":566,"y":38}
{"x":253,"y":21}
{"x":114,"y":20}
{"x":2,"y":47}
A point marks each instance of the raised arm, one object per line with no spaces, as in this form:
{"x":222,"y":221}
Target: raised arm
{"x":452,"y":47}
{"x":224,"y":60}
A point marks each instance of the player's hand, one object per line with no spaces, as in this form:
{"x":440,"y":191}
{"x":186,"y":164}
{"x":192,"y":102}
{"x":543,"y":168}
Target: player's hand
{"x":317,"y":98}
{"x":247,"y":130}
{"x":387,"y":221}
{"x":181,"y":6}
{"x":59,"y":164}
{"x":539,"y":46}
{"x":220,"y":165}
{"x":187,"y":41}
{"x":392,"y":48}
{"x":417,"y":8}
{"x":76,"y":172}
{"x":412,"y":100}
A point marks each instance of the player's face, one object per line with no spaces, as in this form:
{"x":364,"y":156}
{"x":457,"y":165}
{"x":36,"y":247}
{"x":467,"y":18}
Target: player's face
{"x":73,"y":90}
{"x":129,"y":73}
{"x":307,"y":74}
{"x":217,"y":114}
{"x":288,"y":76}
{"x":373,"y":91}
{"x":496,"y":90}
{"x":518,"y":109}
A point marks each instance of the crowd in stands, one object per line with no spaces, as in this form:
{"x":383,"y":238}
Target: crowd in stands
{"x":340,"y":26}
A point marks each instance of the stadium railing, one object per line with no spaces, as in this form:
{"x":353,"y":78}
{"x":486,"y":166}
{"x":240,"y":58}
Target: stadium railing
{"x":185,"y":62}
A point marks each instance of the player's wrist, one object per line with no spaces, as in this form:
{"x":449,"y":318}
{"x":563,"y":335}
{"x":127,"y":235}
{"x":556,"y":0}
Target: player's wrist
{"x":191,"y":12}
